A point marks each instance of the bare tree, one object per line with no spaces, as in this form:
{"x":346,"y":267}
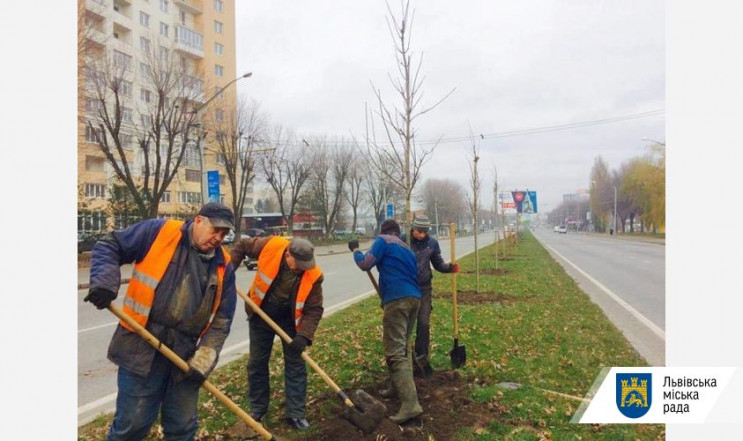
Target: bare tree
{"x":145,"y":154}
{"x":330,"y":170}
{"x":356,"y":178}
{"x":242,"y":129}
{"x":445,"y":198}
{"x":399,"y":147}
{"x":474,"y":206}
{"x":286,"y":170}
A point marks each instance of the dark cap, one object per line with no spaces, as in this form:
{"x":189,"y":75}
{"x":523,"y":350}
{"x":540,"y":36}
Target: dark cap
{"x":421,"y":223}
{"x":219,"y":215}
{"x":303,"y":253}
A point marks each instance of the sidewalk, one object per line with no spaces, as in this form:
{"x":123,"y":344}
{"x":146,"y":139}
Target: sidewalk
{"x":621,"y":236}
{"x":83,"y":274}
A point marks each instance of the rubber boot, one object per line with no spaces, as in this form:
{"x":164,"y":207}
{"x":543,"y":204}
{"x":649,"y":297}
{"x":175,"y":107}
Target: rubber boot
{"x":402,"y":379}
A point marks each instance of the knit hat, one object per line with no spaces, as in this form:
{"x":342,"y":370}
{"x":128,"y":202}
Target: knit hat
{"x":421,"y":223}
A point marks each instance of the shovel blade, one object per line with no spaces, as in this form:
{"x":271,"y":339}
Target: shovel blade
{"x":458,"y":355}
{"x":367,"y":412}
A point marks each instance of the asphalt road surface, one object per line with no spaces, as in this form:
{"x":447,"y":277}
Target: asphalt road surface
{"x":626,"y":278}
{"x":344,"y":284}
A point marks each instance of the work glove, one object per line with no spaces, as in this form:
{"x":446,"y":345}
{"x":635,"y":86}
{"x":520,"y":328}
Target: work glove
{"x":100,"y":297}
{"x":455,"y":267}
{"x":195,"y":376}
{"x":353,"y":245}
{"x":298,"y":345}
{"x":199,"y":366}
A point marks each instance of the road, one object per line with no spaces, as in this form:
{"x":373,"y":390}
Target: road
{"x":344,"y":284}
{"x":626,"y":278}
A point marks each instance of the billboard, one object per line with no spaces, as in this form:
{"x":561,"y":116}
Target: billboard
{"x":526,"y":201}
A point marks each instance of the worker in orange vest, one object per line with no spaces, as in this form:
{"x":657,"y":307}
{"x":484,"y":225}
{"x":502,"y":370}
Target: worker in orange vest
{"x":182,"y":290}
{"x":288,"y":288}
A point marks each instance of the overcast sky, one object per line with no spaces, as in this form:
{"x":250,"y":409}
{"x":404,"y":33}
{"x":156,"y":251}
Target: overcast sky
{"x":515,"y":65}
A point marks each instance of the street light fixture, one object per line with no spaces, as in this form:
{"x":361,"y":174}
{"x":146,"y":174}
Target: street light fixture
{"x":202,"y":139}
{"x":652,"y":140}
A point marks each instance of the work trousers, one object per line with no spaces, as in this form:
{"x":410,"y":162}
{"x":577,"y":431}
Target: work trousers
{"x":423,"y":326}
{"x":398,"y":322}
{"x":139,"y":399}
{"x":295,"y":370}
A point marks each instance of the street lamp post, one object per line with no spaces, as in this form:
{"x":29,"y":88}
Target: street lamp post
{"x":202,"y":138}
{"x":615,"y":208}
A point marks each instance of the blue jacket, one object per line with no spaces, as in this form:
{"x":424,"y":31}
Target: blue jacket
{"x":396,"y":265}
{"x":427,"y":253}
{"x":174,"y":318}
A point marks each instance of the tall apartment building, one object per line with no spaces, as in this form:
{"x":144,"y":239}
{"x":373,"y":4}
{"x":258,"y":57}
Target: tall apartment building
{"x":131,"y":37}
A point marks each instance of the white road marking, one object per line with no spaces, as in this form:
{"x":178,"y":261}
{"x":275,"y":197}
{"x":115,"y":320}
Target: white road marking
{"x":97,"y":327}
{"x":644,"y":320}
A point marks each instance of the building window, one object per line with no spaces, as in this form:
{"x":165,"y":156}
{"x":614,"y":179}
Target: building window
{"x":144,"y":44}
{"x":97,"y":191}
{"x":163,"y":29}
{"x":218,"y":49}
{"x":144,"y":19}
{"x":221,"y":180}
{"x":220,"y":159}
{"x":217,"y":27}
{"x":218,"y":70}
{"x":189,"y":197}
{"x":94,"y":163}
{"x":165,"y":198}
{"x":164,"y":5}
{"x":219,"y":115}
{"x":144,"y":70}
{"x":145,"y":95}
{"x":126,"y":140}
{"x":93,"y":105}
{"x":193,"y":175}
{"x":122,"y":60}
{"x":164,"y":53}
{"x":126,"y":115}
{"x":182,"y":16}
{"x":145,"y":121}
{"x":218,"y":5}
{"x":218,"y":93}
{"x":91,"y":135}
{"x":125,"y":88}
{"x":192,"y":158}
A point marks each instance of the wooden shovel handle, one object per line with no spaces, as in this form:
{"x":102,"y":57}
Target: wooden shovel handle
{"x":182,"y":365}
{"x":284,"y":336}
{"x":374,"y":282}
{"x":452,"y":230}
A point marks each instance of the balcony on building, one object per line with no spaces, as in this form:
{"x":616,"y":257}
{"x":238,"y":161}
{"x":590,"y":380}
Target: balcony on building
{"x":192,"y":6}
{"x":97,"y":7}
{"x":192,"y":88}
{"x":122,"y":14}
{"x":189,"y":41}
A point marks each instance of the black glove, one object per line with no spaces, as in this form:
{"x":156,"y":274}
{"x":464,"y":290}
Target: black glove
{"x":195,"y":376}
{"x":100,"y":297}
{"x":353,"y":245}
{"x":297,"y":346}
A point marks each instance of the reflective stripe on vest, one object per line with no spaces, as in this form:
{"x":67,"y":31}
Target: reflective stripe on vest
{"x":269,"y":263}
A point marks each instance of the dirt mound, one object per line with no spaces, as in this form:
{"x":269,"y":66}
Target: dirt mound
{"x":446,"y":405}
{"x":447,"y":408}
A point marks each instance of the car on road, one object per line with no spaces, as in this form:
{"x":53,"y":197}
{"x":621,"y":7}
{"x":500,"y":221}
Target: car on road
{"x":254,"y":232}
{"x":229,"y":237}
{"x":560,"y":229}
{"x":86,"y":241}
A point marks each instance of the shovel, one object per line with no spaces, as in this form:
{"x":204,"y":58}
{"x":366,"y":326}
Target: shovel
{"x":178,"y":361}
{"x":458,"y":354}
{"x":421,"y":365}
{"x":366,"y":414}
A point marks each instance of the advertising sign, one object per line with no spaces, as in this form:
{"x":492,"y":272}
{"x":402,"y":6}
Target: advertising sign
{"x":526,"y":201}
{"x":212,"y":179}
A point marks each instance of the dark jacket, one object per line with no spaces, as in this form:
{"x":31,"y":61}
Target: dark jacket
{"x":176,"y":317}
{"x":427,"y":252}
{"x":313,"y":306}
{"x":396,"y":265}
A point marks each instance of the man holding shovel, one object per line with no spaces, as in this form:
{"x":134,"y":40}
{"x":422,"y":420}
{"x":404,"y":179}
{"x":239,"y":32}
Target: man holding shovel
{"x":182,"y":291}
{"x":427,"y":252}
{"x":288,"y":288}
{"x":398,"y":289}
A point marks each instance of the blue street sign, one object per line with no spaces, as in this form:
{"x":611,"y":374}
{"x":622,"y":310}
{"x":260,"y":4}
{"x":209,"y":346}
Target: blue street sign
{"x":390,"y":211}
{"x":212,"y":179}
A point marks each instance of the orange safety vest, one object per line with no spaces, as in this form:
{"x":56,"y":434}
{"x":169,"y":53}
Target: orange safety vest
{"x":147,"y":274}
{"x":269,"y":263}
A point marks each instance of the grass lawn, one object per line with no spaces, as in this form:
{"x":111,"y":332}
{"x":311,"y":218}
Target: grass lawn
{"x":529,"y":325}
